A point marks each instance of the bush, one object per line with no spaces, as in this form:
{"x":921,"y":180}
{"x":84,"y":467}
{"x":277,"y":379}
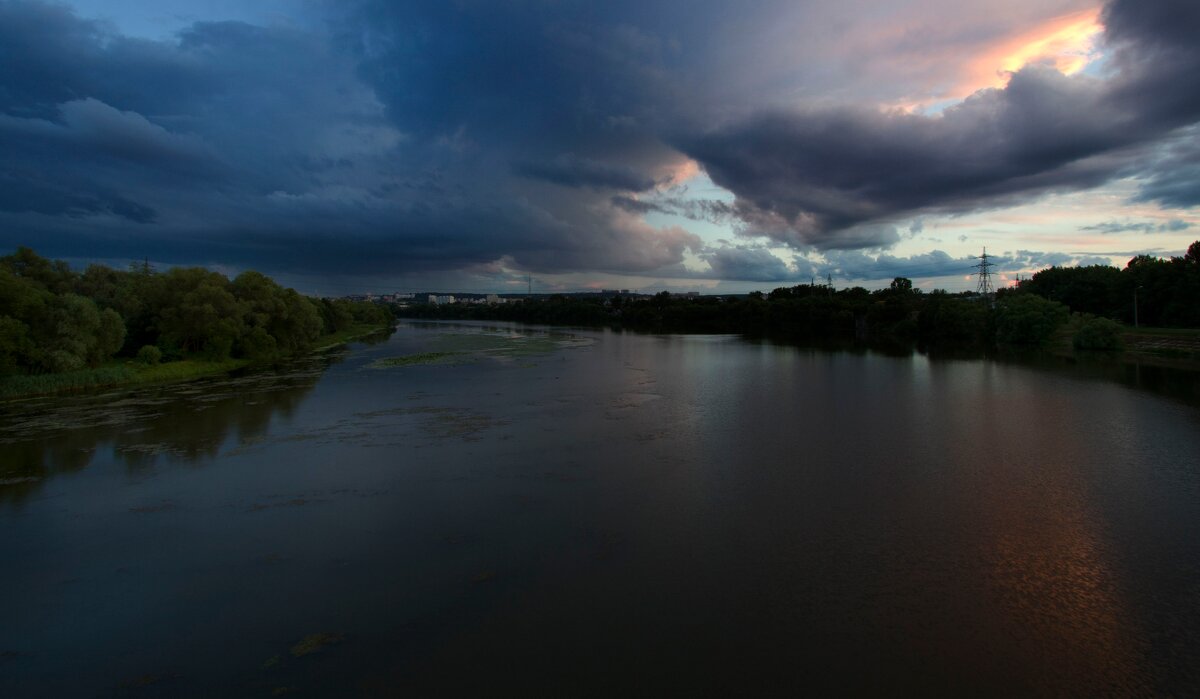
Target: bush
{"x":149,"y":354}
{"x":1027,"y":319}
{"x":1097,"y":334}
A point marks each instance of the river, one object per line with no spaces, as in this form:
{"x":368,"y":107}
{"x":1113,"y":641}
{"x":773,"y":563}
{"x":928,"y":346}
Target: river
{"x":493,"y":510}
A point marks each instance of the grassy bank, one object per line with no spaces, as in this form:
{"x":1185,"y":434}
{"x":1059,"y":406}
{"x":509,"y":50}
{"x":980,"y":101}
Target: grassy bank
{"x":1171,"y":347}
{"x":126,"y":373}
{"x":130,"y":373}
{"x":354,"y":332}
{"x":1179,"y":345}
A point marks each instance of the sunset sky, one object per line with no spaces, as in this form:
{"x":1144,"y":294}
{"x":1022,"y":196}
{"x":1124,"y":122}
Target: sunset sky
{"x":367,"y":145}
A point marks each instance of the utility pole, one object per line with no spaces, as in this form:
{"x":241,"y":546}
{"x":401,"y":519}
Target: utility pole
{"x":529,"y":282}
{"x":985,"y":288}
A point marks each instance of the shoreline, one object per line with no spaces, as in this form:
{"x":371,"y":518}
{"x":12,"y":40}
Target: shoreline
{"x":129,"y":373}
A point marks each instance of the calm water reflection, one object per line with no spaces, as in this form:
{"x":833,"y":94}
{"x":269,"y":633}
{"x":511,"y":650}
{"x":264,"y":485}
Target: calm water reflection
{"x":625,"y":513}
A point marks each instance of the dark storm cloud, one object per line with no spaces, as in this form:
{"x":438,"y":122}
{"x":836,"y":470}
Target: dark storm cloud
{"x":410,"y":138}
{"x":808,"y":177}
{"x":25,"y":193}
{"x":425,"y":136}
{"x":1174,"y":177}
{"x":570,"y":171}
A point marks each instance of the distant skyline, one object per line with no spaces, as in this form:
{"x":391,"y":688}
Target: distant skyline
{"x":374,"y":146}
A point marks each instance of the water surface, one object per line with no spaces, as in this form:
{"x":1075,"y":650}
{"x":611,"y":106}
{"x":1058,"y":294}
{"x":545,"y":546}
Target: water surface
{"x":593,"y":513}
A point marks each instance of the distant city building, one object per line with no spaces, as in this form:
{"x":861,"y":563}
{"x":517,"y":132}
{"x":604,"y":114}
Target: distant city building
{"x":440,"y":299}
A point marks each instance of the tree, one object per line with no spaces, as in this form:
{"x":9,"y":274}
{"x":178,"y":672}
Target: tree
{"x":1099,"y":334}
{"x":16,"y":345}
{"x":75,"y":339}
{"x":55,"y":277}
{"x":109,"y":337}
{"x":201,"y":315}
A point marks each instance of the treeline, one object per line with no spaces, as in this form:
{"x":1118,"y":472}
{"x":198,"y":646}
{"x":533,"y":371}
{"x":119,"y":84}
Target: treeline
{"x":1032,"y":314}
{"x":1166,"y":292}
{"x":898,"y":315}
{"x":53,"y":319}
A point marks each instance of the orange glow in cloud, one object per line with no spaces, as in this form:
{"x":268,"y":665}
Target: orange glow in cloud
{"x":1066,"y":43}
{"x":678,"y":173}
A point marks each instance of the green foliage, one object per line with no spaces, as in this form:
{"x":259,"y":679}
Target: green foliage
{"x":1166,"y":292}
{"x":55,"y":277}
{"x":15,"y":345}
{"x":1099,"y":334}
{"x":201,"y":317}
{"x":149,"y":354}
{"x":948,"y":320}
{"x":1027,"y":319}
{"x":53,"y":320}
{"x":110,"y":336}
{"x":78,"y":334}
{"x":26,"y":384}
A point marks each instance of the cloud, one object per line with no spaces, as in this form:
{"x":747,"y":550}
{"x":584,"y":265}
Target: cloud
{"x":570,"y":171}
{"x":1108,"y":227}
{"x":427,"y":137}
{"x":29,"y":194}
{"x":1093,"y":260}
{"x":93,"y":126}
{"x":748,"y":264}
{"x":858,"y":265}
{"x":297,"y":151}
{"x":1173,"y":178}
{"x":815,"y":176}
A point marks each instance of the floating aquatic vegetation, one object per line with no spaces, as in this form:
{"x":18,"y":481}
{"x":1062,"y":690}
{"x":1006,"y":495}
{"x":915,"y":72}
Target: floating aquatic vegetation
{"x":314,"y":642}
{"x":411,"y":359}
{"x":142,"y":681}
{"x":18,"y":480}
{"x":294,"y":502}
{"x":165,"y":506}
{"x":460,"y":348}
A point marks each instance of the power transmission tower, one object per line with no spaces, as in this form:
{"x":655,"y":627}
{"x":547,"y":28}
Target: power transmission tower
{"x":829,"y":283}
{"x":985,"y":288}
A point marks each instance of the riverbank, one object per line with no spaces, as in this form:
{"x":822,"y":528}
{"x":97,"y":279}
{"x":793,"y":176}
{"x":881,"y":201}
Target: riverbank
{"x":128,"y":372}
{"x":359,"y":331}
{"x":1177,"y":348}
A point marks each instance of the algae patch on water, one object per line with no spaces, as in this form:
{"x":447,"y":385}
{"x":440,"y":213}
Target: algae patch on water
{"x":411,"y":359}
{"x":458,"y":348}
{"x":315,"y":642}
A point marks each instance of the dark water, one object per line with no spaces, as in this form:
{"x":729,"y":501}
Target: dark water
{"x":606,"y":514}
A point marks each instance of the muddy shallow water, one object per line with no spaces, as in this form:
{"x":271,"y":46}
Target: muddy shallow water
{"x":485,"y":509}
